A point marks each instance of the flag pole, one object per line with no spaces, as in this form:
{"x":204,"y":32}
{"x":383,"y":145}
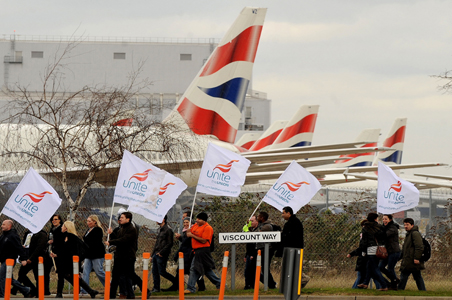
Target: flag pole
{"x":192,"y":206}
{"x":111,"y":217}
{"x":256,"y":209}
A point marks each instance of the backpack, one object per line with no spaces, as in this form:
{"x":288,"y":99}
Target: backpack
{"x":427,"y":252}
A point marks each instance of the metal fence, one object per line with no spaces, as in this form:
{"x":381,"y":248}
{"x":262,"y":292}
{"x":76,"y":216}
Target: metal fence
{"x":329,"y":234}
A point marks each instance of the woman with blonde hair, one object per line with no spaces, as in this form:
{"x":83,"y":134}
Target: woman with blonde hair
{"x":69,"y":248}
{"x":94,"y":260}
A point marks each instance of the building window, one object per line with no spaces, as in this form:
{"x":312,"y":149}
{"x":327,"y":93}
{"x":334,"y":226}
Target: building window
{"x":119,"y":55}
{"x":37,"y":54}
{"x":185,"y":57}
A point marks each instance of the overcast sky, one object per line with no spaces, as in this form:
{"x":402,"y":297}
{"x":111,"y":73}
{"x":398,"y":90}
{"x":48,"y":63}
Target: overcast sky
{"x":364,"y":62}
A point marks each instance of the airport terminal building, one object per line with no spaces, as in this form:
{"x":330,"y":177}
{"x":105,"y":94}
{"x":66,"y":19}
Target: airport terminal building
{"x":169,"y":63}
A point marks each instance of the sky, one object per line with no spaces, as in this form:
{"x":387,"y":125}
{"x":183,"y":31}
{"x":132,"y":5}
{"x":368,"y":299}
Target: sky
{"x":364,"y":62}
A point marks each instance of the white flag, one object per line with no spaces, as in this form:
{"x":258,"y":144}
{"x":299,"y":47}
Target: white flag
{"x":394,"y":194}
{"x":138,"y":181}
{"x":170,"y":190}
{"x":33,"y":202}
{"x":223,"y":172}
{"x":294,"y":188}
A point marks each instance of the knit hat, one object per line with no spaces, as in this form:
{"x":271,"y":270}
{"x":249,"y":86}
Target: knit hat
{"x":202,"y":216}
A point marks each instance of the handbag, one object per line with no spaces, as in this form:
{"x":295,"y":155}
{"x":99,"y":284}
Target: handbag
{"x":381,"y":253}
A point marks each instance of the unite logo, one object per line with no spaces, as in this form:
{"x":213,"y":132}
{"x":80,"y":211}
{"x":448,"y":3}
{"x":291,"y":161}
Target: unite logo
{"x":286,"y":193}
{"x":162,"y":191}
{"x":28,"y":206}
{"x":221,"y":177}
{"x":138,"y":188}
{"x":394,"y":197}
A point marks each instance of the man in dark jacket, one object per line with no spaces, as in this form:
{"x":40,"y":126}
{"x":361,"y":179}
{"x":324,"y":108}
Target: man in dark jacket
{"x":265,"y":225}
{"x":162,"y":250}
{"x":391,"y":231}
{"x":411,"y":256}
{"x":292,"y":236}
{"x":125,"y":240}
{"x":250,"y":258}
{"x":11,"y":248}
{"x":36,"y":248}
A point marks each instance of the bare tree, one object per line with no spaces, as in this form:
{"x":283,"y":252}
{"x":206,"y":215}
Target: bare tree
{"x":445,"y":77}
{"x":78,"y":137}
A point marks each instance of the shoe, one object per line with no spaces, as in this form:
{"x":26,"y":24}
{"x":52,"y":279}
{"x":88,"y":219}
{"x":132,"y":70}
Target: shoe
{"x":29,"y":294}
{"x":122,"y":296}
{"x":383,"y":290}
{"x":154,"y":290}
{"x":247,"y":287}
{"x":47,"y":293}
{"x":149,"y":295}
{"x":170,"y":289}
{"x":59,"y":296}
{"x":187,"y":292}
{"x":93,"y":294}
{"x":362,"y":286}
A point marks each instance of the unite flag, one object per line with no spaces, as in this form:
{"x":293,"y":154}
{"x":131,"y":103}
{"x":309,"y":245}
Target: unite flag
{"x":394,"y":194}
{"x":223,"y":172}
{"x":294,"y":188}
{"x":33,"y":202}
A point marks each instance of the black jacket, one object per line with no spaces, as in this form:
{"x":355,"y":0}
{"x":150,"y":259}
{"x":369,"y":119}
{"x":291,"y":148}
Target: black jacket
{"x":250,"y":247}
{"x":125,"y":240}
{"x":38,"y":246}
{"x":57,"y":237}
{"x":10,"y":246}
{"x":292,"y":233}
{"x":392,"y":237}
{"x":412,"y":249}
{"x":361,"y":261}
{"x":164,"y":241}
{"x":372,"y":232}
{"x":94,"y":240}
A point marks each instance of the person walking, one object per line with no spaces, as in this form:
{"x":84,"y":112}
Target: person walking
{"x":411,"y":256}
{"x":202,"y":263}
{"x":372,"y":236}
{"x":265,"y":225}
{"x":250,"y":257}
{"x":11,"y":248}
{"x":69,"y":248}
{"x":391,"y":231}
{"x":125,"y":239}
{"x":56,"y":238}
{"x":95,"y":257}
{"x":160,"y":255}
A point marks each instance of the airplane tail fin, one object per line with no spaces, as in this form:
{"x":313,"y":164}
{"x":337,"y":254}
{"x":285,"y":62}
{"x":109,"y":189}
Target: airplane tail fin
{"x":269,"y":136}
{"x":369,"y":138}
{"x":395,"y":140}
{"x":213,"y":102}
{"x":248,"y":139}
{"x":299,"y":131}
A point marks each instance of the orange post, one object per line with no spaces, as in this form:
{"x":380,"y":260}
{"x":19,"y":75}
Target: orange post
{"x":181,"y":276}
{"x":75,"y":280}
{"x":9,"y":276}
{"x":224,"y":272}
{"x":41,"y":278}
{"x":258,"y":275}
{"x":108,"y":258}
{"x":144,"y":290}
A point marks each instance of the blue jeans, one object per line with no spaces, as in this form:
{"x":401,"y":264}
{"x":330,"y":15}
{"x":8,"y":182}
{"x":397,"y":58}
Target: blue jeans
{"x":97,"y":265}
{"x":374,"y":272}
{"x":391,"y":261}
{"x":159,"y":269}
{"x":417,"y":277}
{"x":195,"y":275}
{"x":23,"y":289}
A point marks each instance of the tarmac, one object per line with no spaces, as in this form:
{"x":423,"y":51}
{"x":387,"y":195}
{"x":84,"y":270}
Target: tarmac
{"x":279,"y":297}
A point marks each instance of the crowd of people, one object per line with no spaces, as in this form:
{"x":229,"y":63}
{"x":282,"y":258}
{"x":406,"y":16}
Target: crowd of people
{"x":369,"y":266}
{"x":62,"y":242}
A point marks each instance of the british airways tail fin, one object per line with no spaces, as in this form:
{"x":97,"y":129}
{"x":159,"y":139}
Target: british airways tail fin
{"x":213,"y":102}
{"x":369,"y":138}
{"x":248,"y":139}
{"x":269,"y":136}
{"x":395,"y":140}
{"x":299,"y":131}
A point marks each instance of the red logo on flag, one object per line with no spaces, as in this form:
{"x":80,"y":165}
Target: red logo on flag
{"x":293,"y":187}
{"x":225,"y":168}
{"x":36,"y":197}
{"x":396,"y":187}
{"x":164,"y":188}
{"x":141,"y":176}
